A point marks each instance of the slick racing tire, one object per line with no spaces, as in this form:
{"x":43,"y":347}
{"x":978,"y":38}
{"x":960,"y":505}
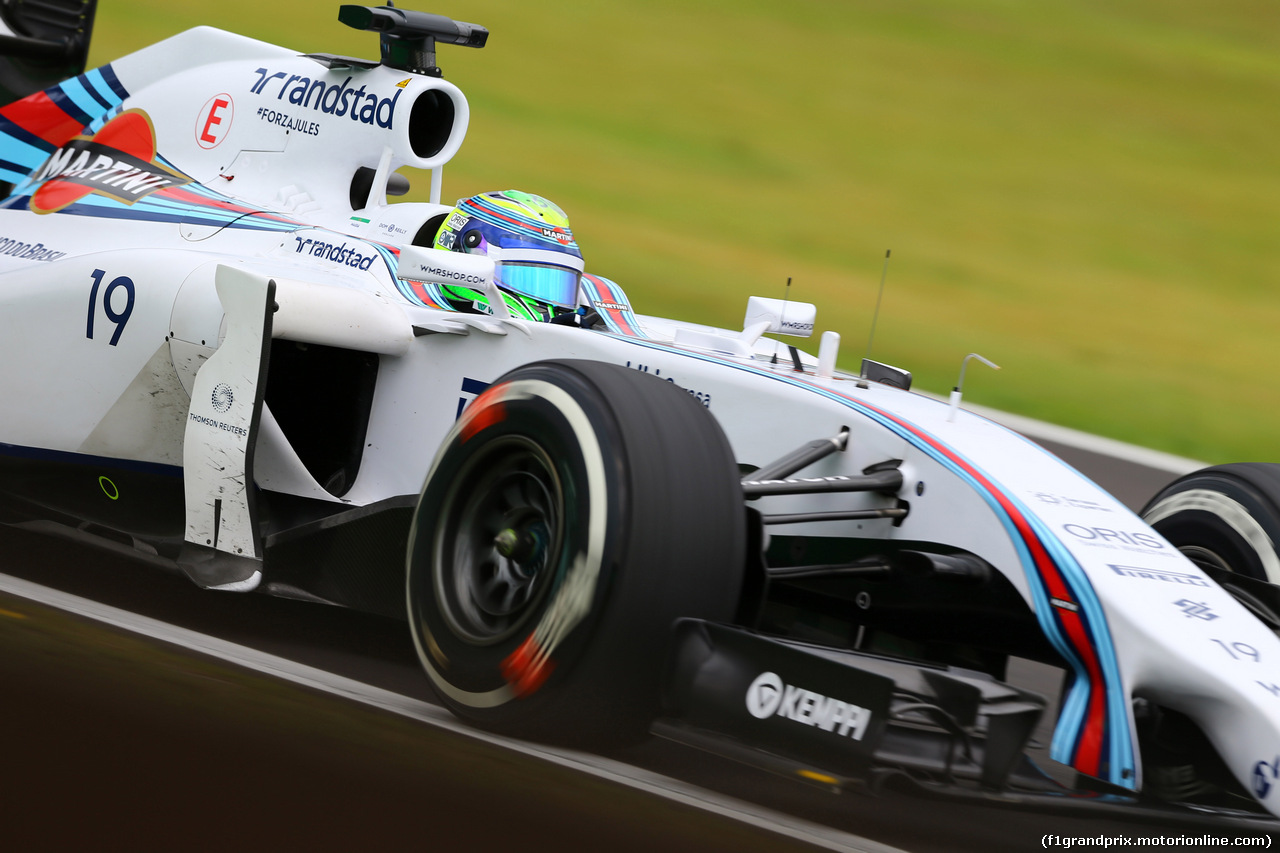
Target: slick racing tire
{"x":1225,"y":517}
{"x":573,"y":513}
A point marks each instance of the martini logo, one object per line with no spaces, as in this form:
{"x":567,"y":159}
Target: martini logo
{"x":561,"y":236}
{"x":119,"y":162}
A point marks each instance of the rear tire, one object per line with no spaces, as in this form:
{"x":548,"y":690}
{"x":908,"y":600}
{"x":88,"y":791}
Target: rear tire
{"x":572,"y":514}
{"x":1225,"y":517}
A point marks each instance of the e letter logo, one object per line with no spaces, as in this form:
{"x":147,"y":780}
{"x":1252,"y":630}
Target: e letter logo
{"x":214,"y":120}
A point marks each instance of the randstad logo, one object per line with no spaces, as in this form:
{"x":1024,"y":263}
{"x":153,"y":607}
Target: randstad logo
{"x":336,"y":99}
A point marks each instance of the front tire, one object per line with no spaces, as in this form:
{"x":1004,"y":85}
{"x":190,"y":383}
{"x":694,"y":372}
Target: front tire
{"x":1224,"y":517}
{"x":572,"y":514}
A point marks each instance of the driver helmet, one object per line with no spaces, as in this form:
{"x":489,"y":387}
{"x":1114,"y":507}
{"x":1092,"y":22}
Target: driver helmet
{"x":537,"y":264}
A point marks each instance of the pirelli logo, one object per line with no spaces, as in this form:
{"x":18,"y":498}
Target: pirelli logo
{"x":1162,"y":575}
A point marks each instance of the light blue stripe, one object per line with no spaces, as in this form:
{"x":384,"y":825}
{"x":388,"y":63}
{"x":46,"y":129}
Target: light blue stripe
{"x":22,"y":153}
{"x":100,"y":122}
{"x":87,"y":104}
{"x":595,"y":295}
{"x":103,"y":88}
{"x":1121,"y":748}
{"x":1120,"y":753}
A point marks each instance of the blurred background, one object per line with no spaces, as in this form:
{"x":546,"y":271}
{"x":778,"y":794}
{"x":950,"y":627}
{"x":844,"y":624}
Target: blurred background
{"x":1085,"y":192}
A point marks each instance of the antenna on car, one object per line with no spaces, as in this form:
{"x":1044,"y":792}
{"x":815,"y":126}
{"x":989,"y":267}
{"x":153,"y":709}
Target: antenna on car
{"x":409,"y":38}
{"x":957,"y":391}
{"x":884,"y":272}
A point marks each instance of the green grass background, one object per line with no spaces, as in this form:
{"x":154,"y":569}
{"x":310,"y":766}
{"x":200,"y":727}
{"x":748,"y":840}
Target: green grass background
{"x":1084,"y":191}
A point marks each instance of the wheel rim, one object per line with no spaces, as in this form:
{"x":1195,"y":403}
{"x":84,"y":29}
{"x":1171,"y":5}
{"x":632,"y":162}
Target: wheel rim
{"x":495,"y":550}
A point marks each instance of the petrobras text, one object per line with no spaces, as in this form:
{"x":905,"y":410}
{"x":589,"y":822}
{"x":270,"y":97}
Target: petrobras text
{"x":336,"y":99}
{"x":768,"y":696}
{"x":28,"y":251}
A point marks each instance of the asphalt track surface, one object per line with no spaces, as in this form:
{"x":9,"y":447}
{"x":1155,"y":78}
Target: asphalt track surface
{"x":316,"y":731}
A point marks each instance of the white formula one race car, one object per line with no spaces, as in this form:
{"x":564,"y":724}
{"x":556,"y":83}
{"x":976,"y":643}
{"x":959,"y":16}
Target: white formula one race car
{"x":223,"y":351}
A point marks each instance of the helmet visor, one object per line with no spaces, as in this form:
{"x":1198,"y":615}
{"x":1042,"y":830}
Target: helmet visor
{"x":543,"y":282}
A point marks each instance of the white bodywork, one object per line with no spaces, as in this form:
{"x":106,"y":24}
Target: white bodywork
{"x":117,"y":336}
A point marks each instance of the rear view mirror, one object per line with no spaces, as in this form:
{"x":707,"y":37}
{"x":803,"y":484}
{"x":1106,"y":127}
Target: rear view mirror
{"x":779,"y":316}
{"x":439,"y":267}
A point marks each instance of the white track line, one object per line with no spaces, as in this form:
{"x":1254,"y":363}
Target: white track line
{"x":318,"y":679}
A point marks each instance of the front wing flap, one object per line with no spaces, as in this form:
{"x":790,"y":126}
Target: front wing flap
{"x":853,"y":721}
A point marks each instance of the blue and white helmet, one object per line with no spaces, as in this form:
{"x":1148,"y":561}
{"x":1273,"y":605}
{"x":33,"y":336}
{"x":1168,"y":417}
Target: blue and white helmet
{"x":529,"y":240}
